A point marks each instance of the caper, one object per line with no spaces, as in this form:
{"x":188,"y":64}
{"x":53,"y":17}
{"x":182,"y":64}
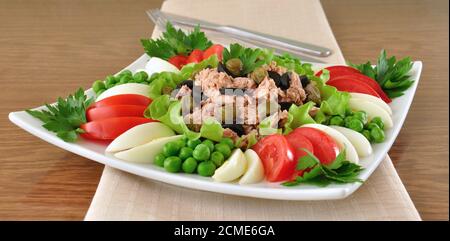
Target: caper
{"x":234,"y":66}
{"x":259,"y":74}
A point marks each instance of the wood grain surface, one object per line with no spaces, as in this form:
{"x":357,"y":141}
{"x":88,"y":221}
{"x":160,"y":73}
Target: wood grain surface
{"x":50,"y":48}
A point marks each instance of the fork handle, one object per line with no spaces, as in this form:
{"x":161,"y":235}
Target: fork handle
{"x":275,"y":40}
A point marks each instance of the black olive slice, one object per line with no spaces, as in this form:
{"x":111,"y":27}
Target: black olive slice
{"x":285,"y":105}
{"x":304,"y":80}
{"x":275,"y":76}
{"x":238,"y":128}
{"x":284,"y":81}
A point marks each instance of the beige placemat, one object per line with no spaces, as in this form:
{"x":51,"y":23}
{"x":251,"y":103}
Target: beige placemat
{"x":122,"y":196}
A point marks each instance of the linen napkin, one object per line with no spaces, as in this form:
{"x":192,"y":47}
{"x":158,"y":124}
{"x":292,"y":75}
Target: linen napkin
{"x":123,"y":196}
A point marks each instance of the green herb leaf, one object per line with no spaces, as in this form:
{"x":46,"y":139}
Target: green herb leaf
{"x":250,"y":58}
{"x":392,"y":75}
{"x":176,"y":42}
{"x":66,"y":116}
{"x":315,"y":173}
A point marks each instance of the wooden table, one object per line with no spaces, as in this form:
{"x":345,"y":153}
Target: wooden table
{"x":48,"y":49}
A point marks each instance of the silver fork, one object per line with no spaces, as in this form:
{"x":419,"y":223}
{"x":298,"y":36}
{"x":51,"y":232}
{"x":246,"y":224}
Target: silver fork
{"x":161,"y":20}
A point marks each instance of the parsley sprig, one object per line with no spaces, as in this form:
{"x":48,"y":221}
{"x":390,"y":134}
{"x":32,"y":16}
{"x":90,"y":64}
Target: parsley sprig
{"x":66,"y":116}
{"x":250,"y":58}
{"x":176,"y":42}
{"x":392,"y":75}
{"x":339,"y":171}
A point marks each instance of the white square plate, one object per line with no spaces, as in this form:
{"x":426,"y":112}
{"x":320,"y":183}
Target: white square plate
{"x":95,"y":151}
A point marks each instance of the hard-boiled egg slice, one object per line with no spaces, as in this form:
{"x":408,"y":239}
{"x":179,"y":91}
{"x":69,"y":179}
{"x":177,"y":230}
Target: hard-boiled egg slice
{"x":156,"y":65}
{"x":231,"y":169}
{"x":361,"y":144}
{"x":139,"y":135}
{"x":255,"y":168}
{"x":372,"y":111}
{"x":146,"y":153}
{"x":129,"y":88}
{"x":373,"y":99}
{"x":350,"y":152}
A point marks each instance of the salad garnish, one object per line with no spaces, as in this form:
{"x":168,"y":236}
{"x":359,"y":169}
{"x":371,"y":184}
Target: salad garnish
{"x":391,"y":75}
{"x":66,"y":116}
{"x":175,"y":42}
{"x":339,"y":171}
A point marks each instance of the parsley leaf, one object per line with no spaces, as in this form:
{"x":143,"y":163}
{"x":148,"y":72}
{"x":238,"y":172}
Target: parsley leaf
{"x":250,"y":58}
{"x":315,"y":173}
{"x":176,"y":42}
{"x":66,"y":116}
{"x":392,"y":75}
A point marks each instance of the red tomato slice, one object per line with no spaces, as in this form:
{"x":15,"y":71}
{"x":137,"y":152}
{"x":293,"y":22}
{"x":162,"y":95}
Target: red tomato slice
{"x":105,"y":112}
{"x":369,"y":81}
{"x":339,"y":70}
{"x":214,"y":49}
{"x":299,"y":143}
{"x":352,"y":85}
{"x":178,"y":60}
{"x":195,"y":56}
{"x":277,"y":157}
{"x":325,"y":148}
{"x":109,"y":129}
{"x":127,"y":99}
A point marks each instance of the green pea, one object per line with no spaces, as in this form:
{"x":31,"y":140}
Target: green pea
{"x":126,"y":73}
{"x":193,"y":143}
{"x":172,"y":164}
{"x":206,"y":168}
{"x":336,"y":121}
{"x":228,"y":141}
{"x":370,"y":126}
{"x":348,"y":111}
{"x":361,"y":115}
{"x":347,"y":120}
{"x":185,"y":153}
{"x":209,"y":144}
{"x":180,"y":143}
{"x":171,"y":149}
{"x":355,"y":125}
{"x":110,"y":81}
{"x":159,"y":160}
{"x":98,"y":85}
{"x":217,"y":158}
{"x":189,"y":165}
{"x":377,"y":134}
{"x":223,"y":148}
{"x":140,"y":76}
{"x":201,"y":152}
{"x":366,"y":134}
{"x":377,"y":120}
{"x":125,"y":79}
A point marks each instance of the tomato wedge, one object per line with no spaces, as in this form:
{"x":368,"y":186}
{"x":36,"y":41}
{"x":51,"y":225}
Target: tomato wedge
{"x":325,"y":148}
{"x":214,"y":49}
{"x":195,"y":56}
{"x":339,"y":70}
{"x":369,"y":81}
{"x":277,"y":157}
{"x":127,"y":99}
{"x":106,"y":112}
{"x":352,"y":85}
{"x":109,"y":129}
{"x":178,"y":60}
{"x":299,"y":143}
